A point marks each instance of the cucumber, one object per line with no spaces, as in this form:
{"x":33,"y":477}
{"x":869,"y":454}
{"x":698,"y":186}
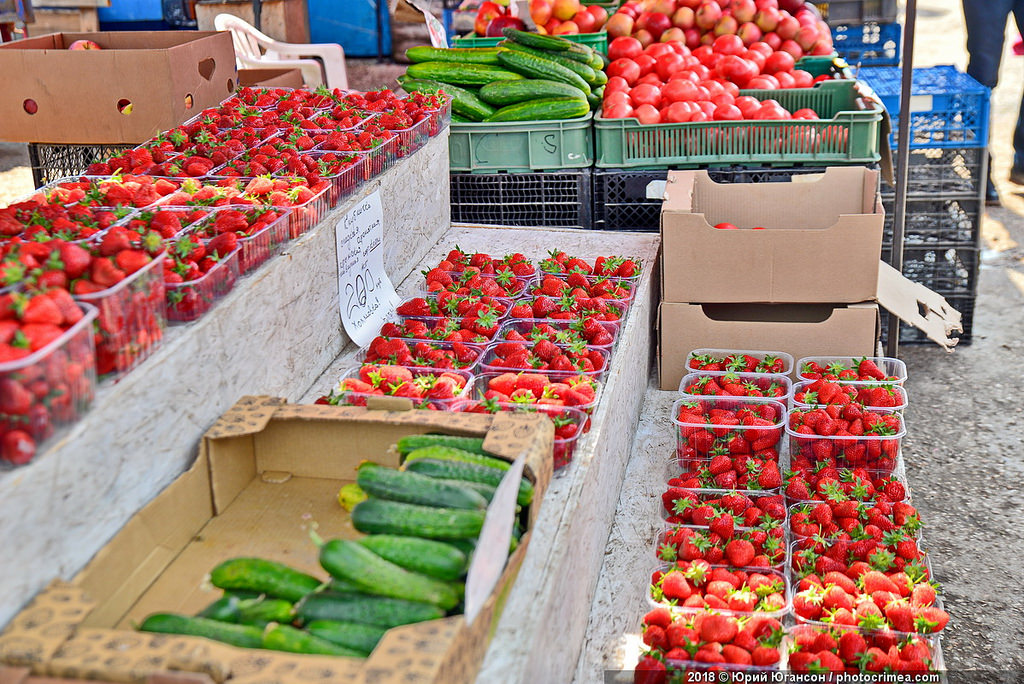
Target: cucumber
{"x":409,"y":487}
{"x":374,"y":575}
{"x":267,"y":577}
{"x":377,"y":516}
{"x":252,"y":611}
{"x":339,"y":585}
{"x":467,"y":546}
{"x":425,"y":556}
{"x":456,"y":118}
{"x":535,"y":40}
{"x":291,"y":640}
{"x":349,"y":495}
{"x":596,"y":98}
{"x":465,"y":103}
{"x":503,"y":93}
{"x":362,"y":638}
{"x":485,"y":490}
{"x":224,"y":609}
{"x":443,"y":453}
{"x":426,"y":53}
{"x":461,"y":74}
{"x":582,"y":71}
{"x":365,"y":609}
{"x":552,"y":108}
{"x":458,"y":470}
{"x":244,"y":636}
{"x":540,"y":67}
{"x":413,"y":442}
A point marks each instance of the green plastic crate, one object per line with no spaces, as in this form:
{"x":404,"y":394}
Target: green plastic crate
{"x":847,"y":133}
{"x":610,"y":5}
{"x":522,"y":145}
{"x":818,"y":65}
{"x":598,"y":41}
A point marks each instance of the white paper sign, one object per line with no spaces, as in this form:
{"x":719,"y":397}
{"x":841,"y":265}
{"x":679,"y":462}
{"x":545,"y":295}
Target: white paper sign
{"x":438,"y":36}
{"x":366,"y":296}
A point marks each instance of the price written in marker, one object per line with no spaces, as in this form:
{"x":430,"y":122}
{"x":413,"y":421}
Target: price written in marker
{"x":367,"y":297}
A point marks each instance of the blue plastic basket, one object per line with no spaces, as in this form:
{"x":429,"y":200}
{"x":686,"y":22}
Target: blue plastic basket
{"x":948,"y":108}
{"x":870,"y":44}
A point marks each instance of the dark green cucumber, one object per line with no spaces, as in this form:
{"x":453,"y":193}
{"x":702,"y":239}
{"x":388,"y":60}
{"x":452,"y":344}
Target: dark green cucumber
{"x":172,"y":623}
{"x":261,"y":612}
{"x":339,"y":585}
{"x":362,"y":638}
{"x":461,"y":74}
{"x":583,"y":72}
{"x":399,"y":485}
{"x":426,"y":53}
{"x":533,"y":66}
{"x":377,"y":516}
{"x":552,"y":108}
{"x":596,"y":98}
{"x":224,"y":609}
{"x":359,"y":565}
{"x":503,"y":93}
{"x":567,"y":59}
{"x":413,"y":442}
{"x":485,"y":490}
{"x":535,"y":40}
{"x":465,"y":102}
{"x":457,"y":470}
{"x":458,"y":118}
{"x":425,"y":556}
{"x":365,"y":609}
{"x":291,"y":640}
{"x":444,"y":453}
{"x":467,"y":546}
{"x":267,"y":577}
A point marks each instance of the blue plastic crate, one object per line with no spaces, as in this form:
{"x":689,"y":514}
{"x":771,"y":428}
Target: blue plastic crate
{"x":870,"y":44}
{"x":948,"y":108}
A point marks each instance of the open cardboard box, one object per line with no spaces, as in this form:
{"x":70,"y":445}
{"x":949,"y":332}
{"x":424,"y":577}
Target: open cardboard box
{"x":800,"y":329}
{"x":821,"y":241}
{"x":56,"y":95}
{"x":270,"y":78}
{"x":265,"y":471}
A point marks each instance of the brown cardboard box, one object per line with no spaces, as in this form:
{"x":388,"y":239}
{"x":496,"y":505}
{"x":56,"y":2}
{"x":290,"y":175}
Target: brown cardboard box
{"x":79,"y":95}
{"x":821,"y":243}
{"x":266,"y":470}
{"x":270,"y":78}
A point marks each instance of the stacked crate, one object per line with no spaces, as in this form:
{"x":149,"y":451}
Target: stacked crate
{"x":865,"y":32}
{"x":946,"y":182}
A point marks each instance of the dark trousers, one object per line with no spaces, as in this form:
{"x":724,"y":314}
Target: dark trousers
{"x":986,"y":27}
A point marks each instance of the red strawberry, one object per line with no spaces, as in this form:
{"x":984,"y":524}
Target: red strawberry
{"x":717,"y":628}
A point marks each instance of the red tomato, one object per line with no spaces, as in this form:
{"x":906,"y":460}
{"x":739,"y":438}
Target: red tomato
{"x":778,"y":61}
{"x":725,"y":225}
{"x":731,"y":88}
{"x":678,"y":47}
{"x":723,"y":99}
{"x":713,"y":88}
{"x":805,"y":113}
{"x":678,"y":90}
{"x":727,"y":112}
{"x":646,"y":64}
{"x":677,"y":112}
{"x":651,"y":78}
{"x":771,"y":110}
{"x":621,"y":110}
{"x":755,"y":57}
{"x":703,"y":73}
{"x":624,"y":46}
{"x":668,"y":64}
{"x":708,"y":107}
{"x":698,"y":117}
{"x":802,"y":79}
{"x":616,"y":97}
{"x":736,"y":69}
{"x":656,"y":50}
{"x":645,"y":93}
{"x":625,"y":68}
{"x":648,"y":114}
{"x":615,"y":83}
{"x":785,"y":79}
{"x":685,"y":75}
{"x":762,"y":47}
{"x":748,"y":105}
{"x":728,"y":44}
{"x":821,"y":78}
{"x":703,"y":53}
{"x":763,"y":82}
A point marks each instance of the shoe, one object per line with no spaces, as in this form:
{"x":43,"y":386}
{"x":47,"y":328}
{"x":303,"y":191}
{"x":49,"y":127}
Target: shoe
{"x":992,"y":196}
{"x":1017,"y":175}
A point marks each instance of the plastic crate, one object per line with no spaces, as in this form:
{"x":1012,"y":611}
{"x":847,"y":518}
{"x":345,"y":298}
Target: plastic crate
{"x":911,"y":335}
{"x":950,"y":270}
{"x":846,"y":12}
{"x":943,"y":171}
{"x":559,"y":200}
{"x":522,"y":145}
{"x":936,"y":221}
{"x":847,"y":133}
{"x":948,"y":108}
{"x":50,"y":162}
{"x":870,"y":44}
{"x":598,"y":41}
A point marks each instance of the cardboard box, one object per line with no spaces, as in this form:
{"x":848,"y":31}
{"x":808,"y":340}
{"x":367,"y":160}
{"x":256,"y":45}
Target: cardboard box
{"x":270,"y":78}
{"x":821,"y":243}
{"x":79,"y":95}
{"x":265,"y":471}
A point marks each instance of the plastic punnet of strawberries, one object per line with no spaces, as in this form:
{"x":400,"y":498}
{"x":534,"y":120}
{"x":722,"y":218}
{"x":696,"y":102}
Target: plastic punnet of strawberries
{"x":429,"y":390}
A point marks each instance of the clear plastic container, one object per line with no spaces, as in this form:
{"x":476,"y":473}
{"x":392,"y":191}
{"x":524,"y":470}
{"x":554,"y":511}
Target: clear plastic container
{"x":626,"y":283}
{"x":306,"y":215}
{"x":700,"y":440}
{"x":258,"y":247}
{"x":774,"y":548}
{"x":805,"y":507}
{"x":797,"y":638}
{"x":655,"y":600}
{"x":345,"y":397}
{"x":56,"y":384}
{"x":871,"y":451}
{"x":891,"y":367}
{"x":450,"y":309}
{"x":778,"y":387}
{"x":687,"y":474}
{"x":570,"y":418}
{"x":862,"y":394}
{"x":412,"y":138}
{"x":98,"y":219}
{"x":368,"y":355}
{"x":439,"y":118}
{"x":799,"y":566}
{"x":379,"y":158}
{"x":771,"y":504}
{"x":481,"y":385}
{"x":95,"y":182}
{"x":515,"y":287}
{"x":573,"y":329}
{"x":131,"y":319}
{"x":689,"y":670}
{"x":345,"y":175}
{"x":191,"y":299}
{"x":874,"y":477}
{"x":548,"y":266}
{"x":142,"y":219}
{"x":720,"y":354}
{"x":325,"y":122}
{"x":439,"y":324}
{"x":492,"y":363}
{"x":615,"y":311}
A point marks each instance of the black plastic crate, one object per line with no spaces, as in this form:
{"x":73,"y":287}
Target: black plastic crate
{"x":50,"y":161}
{"x":857,"y":11}
{"x":950,"y":270}
{"x":936,"y":221}
{"x":944,"y":171}
{"x":911,"y":335}
{"x":557,"y":200}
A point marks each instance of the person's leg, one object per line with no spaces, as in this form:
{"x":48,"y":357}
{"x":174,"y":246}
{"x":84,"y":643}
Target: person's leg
{"x":1017,"y":171}
{"x":986,"y":27}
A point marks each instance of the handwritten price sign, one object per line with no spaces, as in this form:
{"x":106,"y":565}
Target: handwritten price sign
{"x":367,"y":297}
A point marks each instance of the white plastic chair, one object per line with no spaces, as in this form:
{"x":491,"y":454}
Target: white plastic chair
{"x":256,"y":50}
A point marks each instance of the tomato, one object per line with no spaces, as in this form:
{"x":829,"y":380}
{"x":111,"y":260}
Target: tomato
{"x":684,"y":75}
{"x":677,"y":112}
{"x":725,"y":225}
{"x":727,"y":112}
{"x":648,"y":114}
{"x":771,"y":110}
{"x":736,"y":69}
{"x":616,"y":97}
{"x":802,"y":79}
{"x":708,"y":108}
{"x":703,"y":53}
{"x":778,"y":61}
{"x":763,"y":82}
{"x":805,"y":113}
{"x":679,"y":90}
{"x":755,"y":57}
{"x":646,"y":63}
{"x":821,"y":78}
{"x":668,"y":64}
{"x":728,"y":44}
{"x":624,"y":46}
{"x":645,"y":93}
{"x":678,"y":46}
{"x":713,"y":87}
{"x":785,"y":79}
{"x":762,"y":47}
{"x":622,"y":110}
{"x":615,"y":83}
{"x":723,"y":99}
{"x":626,"y":68}
{"x":698,"y":117}
{"x":731,"y":88}
{"x":656,"y":50}
{"x":651,"y":78}
{"x":748,"y":105}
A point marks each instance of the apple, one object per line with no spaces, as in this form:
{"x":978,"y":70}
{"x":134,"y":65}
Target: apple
{"x":564,"y":10}
{"x":619,"y":24}
{"x":600,"y":15}
{"x":749,"y":33}
{"x":726,"y":26}
{"x":484,"y":15}
{"x":772,"y":40}
{"x":552,"y":25}
{"x":787,"y":27}
{"x":744,"y":10}
{"x":496,"y":25}
{"x":655,"y":22}
{"x":633,"y":9}
{"x":684,"y":18}
{"x":586,"y":22}
{"x":84,"y":45}
{"x":692,"y":37}
{"x":708,"y":15}
{"x":644,"y":36}
{"x":806,"y":37}
{"x":774,"y":4}
{"x":673,"y":34}
{"x":767,"y":19}
{"x":692,"y":4}
{"x":567,"y":28}
{"x":540,"y":11}
{"x":666,"y":7}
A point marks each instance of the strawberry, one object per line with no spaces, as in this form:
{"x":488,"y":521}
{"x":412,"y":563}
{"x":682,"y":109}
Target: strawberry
{"x":717,"y":628}
{"x":740,"y":552}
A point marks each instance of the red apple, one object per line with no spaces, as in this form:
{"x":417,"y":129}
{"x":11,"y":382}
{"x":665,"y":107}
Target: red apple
{"x":666,"y":7}
{"x":619,"y":24}
{"x":84,"y":45}
{"x":708,"y":15}
{"x":563,"y":10}
{"x":496,"y":25}
{"x":600,"y":15}
{"x":684,"y":18}
{"x":655,"y":22}
{"x":749,"y":33}
{"x":692,"y":4}
{"x":806,"y":37}
{"x":673,"y":34}
{"x":788,"y":26}
{"x":767,"y":19}
{"x":744,"y":10}
{"x":692,"y":37}
{"x":726,"y":26}
{"x":484,"y":15}
{"x":552,"y":25}
{"x":586,"y":22}
{"x":774,"y":4}
{"x":567,"y":28}
{"x":540,"y":11}
{"x":644,"y":36}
